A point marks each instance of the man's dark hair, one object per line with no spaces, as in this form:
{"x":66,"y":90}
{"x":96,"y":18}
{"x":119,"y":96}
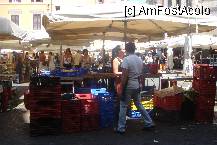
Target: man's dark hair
{"x":130,"y":47}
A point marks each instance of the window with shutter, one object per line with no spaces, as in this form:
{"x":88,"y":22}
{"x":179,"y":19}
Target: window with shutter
{"x":36,"y":21}
{"x":15,"y":19}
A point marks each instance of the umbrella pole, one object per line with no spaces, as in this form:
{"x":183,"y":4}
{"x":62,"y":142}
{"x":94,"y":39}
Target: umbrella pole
{"x":125,"y":32}
{"x":103,"y":50}
{"x":61,"y":55}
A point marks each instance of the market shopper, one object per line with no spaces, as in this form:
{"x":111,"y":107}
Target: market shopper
{"x":67,"y":59}
{"x":162,"y":62}
{"x":42,"y":61}
{"x":117,"y":58}
{"x":86,"y":60}
{"x":51,"y":61}
{"x":132,"y":68}
{"x":77,"y":59}
{"x":19,"y":67}
{"x":27,"y":67}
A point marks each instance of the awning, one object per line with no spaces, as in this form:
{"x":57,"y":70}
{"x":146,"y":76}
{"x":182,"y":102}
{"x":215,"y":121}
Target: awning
{"x":72,"y":24}
{"x":10,"y":31}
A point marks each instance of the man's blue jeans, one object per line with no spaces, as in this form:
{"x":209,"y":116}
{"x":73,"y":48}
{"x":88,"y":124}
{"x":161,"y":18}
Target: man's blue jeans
{"x":135,"y":95}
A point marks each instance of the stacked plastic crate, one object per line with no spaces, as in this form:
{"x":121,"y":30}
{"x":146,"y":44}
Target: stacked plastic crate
{"x":71,"y":114}
{"x":106,"y":107}
{"x":89,"y":112}
{"x":147,"y":104}
{"x":45,"y":106}
{"x":168,"y":107}
{"x":205,"y":84}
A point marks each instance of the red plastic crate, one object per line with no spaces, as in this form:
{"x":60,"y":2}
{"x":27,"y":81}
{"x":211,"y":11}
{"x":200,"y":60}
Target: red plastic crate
{"x":84,"y":96}
{"x":153,"y":68}
{"x":205,"y":102}
{"x":204,"y":116}
{"x":43,"y":89}
{"x":43,"y":96}
{"x":45,"y":114}
{"x":71,"y":125}
{"x":156,"y":101}
{"x":169,"y":103}
{"x":89,"y":106}
{"x":204,"y":87}
{"x":45,"y":105}
{"x":204,"y":72}
{"x":71,"y":107}
{"x":89,"y":122}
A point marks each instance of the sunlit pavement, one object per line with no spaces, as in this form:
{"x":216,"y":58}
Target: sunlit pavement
{"x":14,"y":126}
{"x":14,"y":130}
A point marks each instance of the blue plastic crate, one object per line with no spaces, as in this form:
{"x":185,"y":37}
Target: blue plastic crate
{"x":136,"y":114}
{"x":82,"y":90}
{"x":97,"y":91}
{"x":106,"y":121}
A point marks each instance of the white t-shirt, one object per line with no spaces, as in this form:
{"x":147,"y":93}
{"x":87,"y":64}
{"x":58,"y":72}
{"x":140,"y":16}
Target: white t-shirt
{"x":77,"y":59}
{"x":134,"y":65}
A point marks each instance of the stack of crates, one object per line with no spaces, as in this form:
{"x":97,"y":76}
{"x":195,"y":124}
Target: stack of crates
{"x":71,"y":114}
{"x":89,"y":112}
{"x":168,"y":108}
{"x":106,"y":109}
{"x":205,"y":84}
{"x":45,"y":106}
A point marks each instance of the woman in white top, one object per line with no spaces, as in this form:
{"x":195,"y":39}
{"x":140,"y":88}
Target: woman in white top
{"x":86,"y":60}
{"x":67,"y":59}
{"x":51,"y":61}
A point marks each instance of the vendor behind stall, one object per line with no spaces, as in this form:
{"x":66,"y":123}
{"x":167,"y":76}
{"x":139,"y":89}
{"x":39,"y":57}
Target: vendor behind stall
{"x":86,"y":60}
{"x":77,"y":59}
{"x":67,"y":59}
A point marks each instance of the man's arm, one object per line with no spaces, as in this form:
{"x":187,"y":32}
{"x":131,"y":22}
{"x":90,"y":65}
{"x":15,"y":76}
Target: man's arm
{"x":124,"y":77}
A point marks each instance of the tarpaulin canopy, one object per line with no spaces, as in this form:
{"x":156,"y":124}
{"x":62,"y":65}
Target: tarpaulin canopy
{"x":75,"y":23}
{"x":10,"y":31}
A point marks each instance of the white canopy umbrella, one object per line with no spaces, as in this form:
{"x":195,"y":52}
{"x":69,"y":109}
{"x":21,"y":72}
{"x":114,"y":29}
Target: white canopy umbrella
{"x":10,"y":31}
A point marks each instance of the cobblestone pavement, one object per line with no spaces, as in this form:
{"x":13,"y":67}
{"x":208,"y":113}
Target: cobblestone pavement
{"x":14,"y":130}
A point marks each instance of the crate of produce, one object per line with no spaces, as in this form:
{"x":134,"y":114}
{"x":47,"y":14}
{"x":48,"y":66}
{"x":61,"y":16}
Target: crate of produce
{"x":89,"y":106}
{"x":204,"y":115}
{"x":204,"y":72}
{"x":170,"y":103}
{"x":71,"y":124}
{"x":148,"y":105}
{"x":204,"y":87}
{"x":89,"y":122}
